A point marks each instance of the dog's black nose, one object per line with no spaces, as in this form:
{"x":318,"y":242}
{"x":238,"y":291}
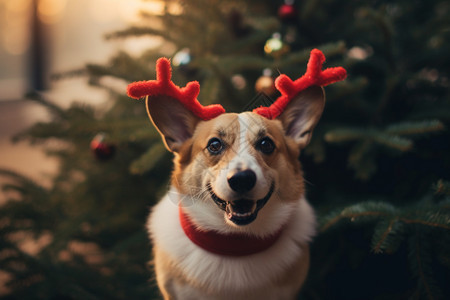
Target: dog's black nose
{"x":242,"y":181}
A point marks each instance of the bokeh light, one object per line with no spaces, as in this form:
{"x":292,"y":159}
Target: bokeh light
{"x":51,"y":11}
{"x":15,"y":26}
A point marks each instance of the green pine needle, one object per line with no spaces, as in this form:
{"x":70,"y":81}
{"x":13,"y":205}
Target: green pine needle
{"x":148,"y":159}
{"x":420,"y":258}
{"x":361,"y":212}
{"x":442,"y":187}
{"x":345,"y":135}
{"x":210,"y":90}
{"x":393,"y":141}
{"x":413,"y":128}
{"x":388,"y":236}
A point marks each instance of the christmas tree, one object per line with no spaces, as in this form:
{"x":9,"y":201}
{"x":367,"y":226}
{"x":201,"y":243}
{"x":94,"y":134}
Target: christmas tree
{"x":377,"y":169}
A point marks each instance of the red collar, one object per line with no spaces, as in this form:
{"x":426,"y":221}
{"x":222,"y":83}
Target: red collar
{"x":235,"y":244}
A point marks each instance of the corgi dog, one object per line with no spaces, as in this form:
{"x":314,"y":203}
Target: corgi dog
{"x":235,"y":223}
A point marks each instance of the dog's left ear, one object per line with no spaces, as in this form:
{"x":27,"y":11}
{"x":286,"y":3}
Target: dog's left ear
{"x":302,"y":114}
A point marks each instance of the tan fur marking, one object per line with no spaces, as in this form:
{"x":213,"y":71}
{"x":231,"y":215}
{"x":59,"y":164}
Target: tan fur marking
{"x":285,"y":161}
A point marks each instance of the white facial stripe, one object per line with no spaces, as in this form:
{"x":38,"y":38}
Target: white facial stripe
{"x":243,"y":160}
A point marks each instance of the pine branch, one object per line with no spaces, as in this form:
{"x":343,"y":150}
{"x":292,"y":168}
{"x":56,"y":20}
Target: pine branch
{"x":352,"y":217}
{"x":441,"y":112}
{"x":421,"y":273}
{"x":211,"y":87}
{"x":347,"y":88}
{"x":23,"y":184}
{"x":442,"y":187}
{"x":362,"y":212}
{"x":446,"y":225}
{"x":135,"y":31}
{"x":362,"y":159}
{"x":148,"y":159}
{"x":383,"y":138}
{"x":413,"y":128}
{"x":388,"y":236}
{"x":231,"y":64}
{"x":380,"y":18}
{"x":55,"y":110}
{"x":392,"y":141}
{"x":242,"y":44}
{"x":431,"y":216}
{"x":301,"y":57}
{"x":420,"y":262}
{"x":345,"y":135}
{"x":316,"y":148}
{"x":122,"y":66}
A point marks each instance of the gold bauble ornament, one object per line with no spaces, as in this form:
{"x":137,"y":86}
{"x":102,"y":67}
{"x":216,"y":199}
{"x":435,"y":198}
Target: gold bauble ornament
{"x":266,"y":84}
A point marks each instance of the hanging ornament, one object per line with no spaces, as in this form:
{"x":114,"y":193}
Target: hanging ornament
{"x":182,"y":61}
{"x":266,"y":84}
{"x":275,"y":46}
{"x":287,"y":12}
{"x":238,"y":81}
{"x":103,"y":151}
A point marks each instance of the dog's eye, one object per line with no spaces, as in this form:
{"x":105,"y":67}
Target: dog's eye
{"x":265,"y":145}
{"x":215,"y":146}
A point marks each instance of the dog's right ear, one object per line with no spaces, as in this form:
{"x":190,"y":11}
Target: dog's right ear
{"x":175,"y":111}
{"x":175,"y":123}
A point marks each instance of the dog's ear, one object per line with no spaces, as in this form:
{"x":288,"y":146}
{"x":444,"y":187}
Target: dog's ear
{"x":175,"y":123}
{"x":302,"y":114}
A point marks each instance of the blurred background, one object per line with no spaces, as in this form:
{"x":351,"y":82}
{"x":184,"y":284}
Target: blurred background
{"x":81,"y":165}
{"x":42,"y":38}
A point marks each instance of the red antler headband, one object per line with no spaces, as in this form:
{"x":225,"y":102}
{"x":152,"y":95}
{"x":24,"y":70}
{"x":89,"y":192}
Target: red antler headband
{"x":187,"y":96}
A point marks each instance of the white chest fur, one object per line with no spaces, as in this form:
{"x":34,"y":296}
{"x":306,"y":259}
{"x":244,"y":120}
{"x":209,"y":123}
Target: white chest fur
{"x":224,"y":275}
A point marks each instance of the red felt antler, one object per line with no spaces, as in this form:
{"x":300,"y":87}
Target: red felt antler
{"x":289,"y":89}
{"x":163,"y":86}
{"x":187,"y":96}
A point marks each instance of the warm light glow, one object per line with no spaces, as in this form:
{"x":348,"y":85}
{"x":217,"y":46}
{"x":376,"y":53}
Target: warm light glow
{"x":15,"y":26}
{"x":103,"y":11}
{"x":359,"y":52}
{"x":17,"y":6}
{"x":51,"y":11}
{"x":127,"y":10}
{"x":15,"y":41}
{"x":16,"y":18}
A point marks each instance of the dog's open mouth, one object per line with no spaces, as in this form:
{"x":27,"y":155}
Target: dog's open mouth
{"x":241,"y":211}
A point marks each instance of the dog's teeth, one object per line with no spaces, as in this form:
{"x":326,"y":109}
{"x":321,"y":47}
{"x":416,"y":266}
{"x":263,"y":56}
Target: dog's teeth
{"x":241,"y":215}
{"x":229,"y":210}
{"x":230,"y":213}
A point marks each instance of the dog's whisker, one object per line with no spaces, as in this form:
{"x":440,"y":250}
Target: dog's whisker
{"x":308,"y":182}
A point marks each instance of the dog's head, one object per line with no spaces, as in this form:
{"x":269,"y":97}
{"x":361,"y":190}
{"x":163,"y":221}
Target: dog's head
{"x":240,"y":161}
{"x":239,"y":166}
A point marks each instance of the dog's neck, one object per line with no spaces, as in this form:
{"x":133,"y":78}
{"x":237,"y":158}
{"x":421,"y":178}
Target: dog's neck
{"x":232,"y":244}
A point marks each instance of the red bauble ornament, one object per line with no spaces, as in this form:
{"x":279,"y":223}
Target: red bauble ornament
{"x":287,"y":12}
{"x":102,"y":150}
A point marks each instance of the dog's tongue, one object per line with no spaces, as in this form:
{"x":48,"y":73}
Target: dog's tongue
{"x":240,"y":208}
